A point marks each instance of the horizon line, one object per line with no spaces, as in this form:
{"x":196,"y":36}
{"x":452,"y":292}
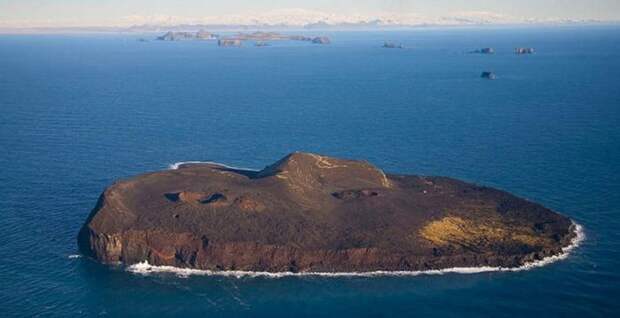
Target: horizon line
{"x":149,"y":28}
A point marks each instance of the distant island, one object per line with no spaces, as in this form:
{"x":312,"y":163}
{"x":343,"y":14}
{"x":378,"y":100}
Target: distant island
{"x":259,"y":37}
{"x":392,"y":45}
{"x":264,"y":37}
{"x":179,"y":36}
{"x":311,"y":213}
{"x":524,"y":50}
{"x":488,"y":75}
{"x":486,"y":50}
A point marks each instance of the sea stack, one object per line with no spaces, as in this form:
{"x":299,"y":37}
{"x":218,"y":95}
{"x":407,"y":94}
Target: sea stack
{"x":486,"y":50}
{"x":392,"y":45}
{"x":312,"y":213}
{"x":488,"y":75}
{"x":524,"y":50}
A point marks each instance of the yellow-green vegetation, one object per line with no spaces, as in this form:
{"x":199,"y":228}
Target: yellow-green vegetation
{"x":455,"y":230}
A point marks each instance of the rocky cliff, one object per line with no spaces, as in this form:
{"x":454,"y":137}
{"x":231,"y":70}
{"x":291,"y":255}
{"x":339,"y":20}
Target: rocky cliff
{"x":313,"y":213}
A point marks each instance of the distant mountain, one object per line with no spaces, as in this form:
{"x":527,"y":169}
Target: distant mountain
{"x":302,"y":19}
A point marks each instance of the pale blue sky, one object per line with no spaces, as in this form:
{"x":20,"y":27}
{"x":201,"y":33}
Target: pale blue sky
{"x":111,"y":12}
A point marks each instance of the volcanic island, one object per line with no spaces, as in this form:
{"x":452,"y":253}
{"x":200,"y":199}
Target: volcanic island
{"x":312,"y":213}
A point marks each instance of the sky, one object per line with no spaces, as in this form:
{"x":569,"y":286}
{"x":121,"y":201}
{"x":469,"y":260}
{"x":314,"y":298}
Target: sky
{"x":59,"y":13}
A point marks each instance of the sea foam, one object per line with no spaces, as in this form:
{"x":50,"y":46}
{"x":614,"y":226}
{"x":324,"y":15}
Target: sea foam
{"x":144,"y":268}
{"x":177,"y":165}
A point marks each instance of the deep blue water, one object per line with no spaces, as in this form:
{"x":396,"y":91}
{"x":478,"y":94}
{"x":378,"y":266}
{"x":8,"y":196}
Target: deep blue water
{"x":79,"y":111}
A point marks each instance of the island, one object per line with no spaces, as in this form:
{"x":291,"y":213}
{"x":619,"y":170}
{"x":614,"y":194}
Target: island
{"x":259,"y":37}
{"x":486,"y":50}
{"x":524,"y":50}
{"x":179,"y":36}
{"x":392,"y":45}
{"x":312,"y":213}
{"x":488,"y":75}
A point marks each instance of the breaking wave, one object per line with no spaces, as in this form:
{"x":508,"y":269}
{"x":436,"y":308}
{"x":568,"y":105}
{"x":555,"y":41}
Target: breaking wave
{"x":177,"y":165}
{"x":144,"y":268}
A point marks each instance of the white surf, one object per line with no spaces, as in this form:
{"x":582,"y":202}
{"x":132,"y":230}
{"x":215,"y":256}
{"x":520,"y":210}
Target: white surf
{"x":144,"y":268}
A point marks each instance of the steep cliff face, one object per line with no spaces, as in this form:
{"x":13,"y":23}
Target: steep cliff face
{"x":314,"y":213}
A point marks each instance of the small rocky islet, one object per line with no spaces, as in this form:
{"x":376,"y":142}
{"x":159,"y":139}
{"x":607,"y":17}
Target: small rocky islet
{"x":312,"y":213}
{"x":261,"y":39}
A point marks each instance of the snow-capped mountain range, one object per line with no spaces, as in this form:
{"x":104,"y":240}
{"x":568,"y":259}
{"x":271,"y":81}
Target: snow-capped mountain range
{"x":310,"y":18}
{"x":290,"y":18}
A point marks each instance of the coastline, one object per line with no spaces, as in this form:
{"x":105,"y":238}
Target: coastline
{"x":145,"y":269}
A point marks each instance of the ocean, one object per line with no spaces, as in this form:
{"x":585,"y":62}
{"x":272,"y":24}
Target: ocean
{"x":79,"y":111}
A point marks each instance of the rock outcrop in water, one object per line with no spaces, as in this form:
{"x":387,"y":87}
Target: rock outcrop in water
{"x":313,"y":213}
{"x":524,"y":50}
{"x":488,"y":75}
{"x":392,"y":45}
{"x":486,"y":50}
